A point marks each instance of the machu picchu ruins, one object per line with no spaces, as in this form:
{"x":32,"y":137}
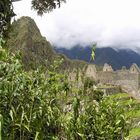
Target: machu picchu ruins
{"x":128,"y":79}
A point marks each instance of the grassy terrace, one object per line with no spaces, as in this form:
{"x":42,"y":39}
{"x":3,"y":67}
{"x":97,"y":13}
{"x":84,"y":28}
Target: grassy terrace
{"x":120,"y":96}
{"x":133,"y":112}
{"x":134,"y":133}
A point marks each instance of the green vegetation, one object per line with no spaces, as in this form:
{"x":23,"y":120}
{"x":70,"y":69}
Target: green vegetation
{"x":134,"y":133}
{"x":46,"y":5}
{"x":6,"y":13}
{"x":120,"y":96}
{"x":40,"y":104}
{"x":132,"y":112}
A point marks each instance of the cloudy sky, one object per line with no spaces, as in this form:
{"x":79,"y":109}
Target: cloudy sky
{"x":107,"y":22}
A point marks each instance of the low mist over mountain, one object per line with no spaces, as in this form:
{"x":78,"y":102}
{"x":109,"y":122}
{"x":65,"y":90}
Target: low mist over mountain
{"x":116,"y":58}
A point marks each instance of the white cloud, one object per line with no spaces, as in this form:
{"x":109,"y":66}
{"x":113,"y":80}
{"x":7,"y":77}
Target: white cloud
{"x":107,"y":22}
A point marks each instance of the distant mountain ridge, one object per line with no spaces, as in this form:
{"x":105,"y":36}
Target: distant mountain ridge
{"x":116,"y":58}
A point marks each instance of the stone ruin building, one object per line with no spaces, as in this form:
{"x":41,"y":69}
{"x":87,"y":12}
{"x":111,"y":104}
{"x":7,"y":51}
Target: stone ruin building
{"x":107,"y":67}
{"x":128,"y":79}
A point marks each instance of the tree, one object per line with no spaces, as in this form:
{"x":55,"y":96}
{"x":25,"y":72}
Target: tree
{"x":7,"y":12}
{"x":43,"y":6}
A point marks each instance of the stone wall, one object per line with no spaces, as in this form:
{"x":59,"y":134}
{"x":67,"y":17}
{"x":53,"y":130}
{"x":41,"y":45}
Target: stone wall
{"x":91,"y":71}
{"x":125,"y":79}
{"x":128,"y":79}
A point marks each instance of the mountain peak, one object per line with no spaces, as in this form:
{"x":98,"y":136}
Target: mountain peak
{"x":26,"y":38}
{"x":27,"y":27}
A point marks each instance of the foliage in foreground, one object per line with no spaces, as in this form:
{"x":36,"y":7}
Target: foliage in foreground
{"x":32,"y":107}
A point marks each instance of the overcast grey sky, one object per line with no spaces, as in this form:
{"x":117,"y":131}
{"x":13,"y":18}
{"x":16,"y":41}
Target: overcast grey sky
{"x":107,"y":22}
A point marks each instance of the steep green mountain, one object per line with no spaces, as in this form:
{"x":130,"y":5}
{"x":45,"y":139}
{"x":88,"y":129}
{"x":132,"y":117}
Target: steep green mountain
{"x":35,"y":49}
{"x":26,"y":38}
{"x":116,"y":58}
